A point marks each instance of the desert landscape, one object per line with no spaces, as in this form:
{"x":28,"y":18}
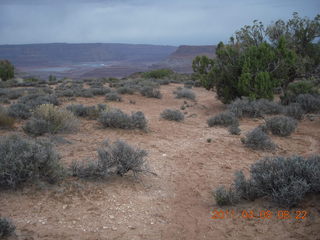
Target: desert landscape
{"x":159,"y":120}
{"x":175,"y":204}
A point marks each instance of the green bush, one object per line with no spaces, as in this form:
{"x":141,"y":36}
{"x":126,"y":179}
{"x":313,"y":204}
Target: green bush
{"x":48,"y":118}
{"x":185,"y":93}
{"x":222,"y":119}
{"x":6,"y":70}
{"x":257,"y":139}
{"x":114,"y":159}
{"x":115,"y":118}
{"x":225,"y":196}
{"x":172,"y":115}
{"x":113,"y":96}
{"x":150,"y":92}
{"x":285,"y":181}
{"x":159,"y":73}
{"x":5,"y":120}
{"x":23,"y":160}
{"x":281,"y":125}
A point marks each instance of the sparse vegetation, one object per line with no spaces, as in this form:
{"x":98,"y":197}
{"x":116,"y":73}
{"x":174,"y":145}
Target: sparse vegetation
{"x":257,"y":139}
{"x":92,"y":112}
{"x":281,"y":125}
{"x":150,"y":92}
{"x":115,"y":118}
{"x":113,"y":96}
{"x":294,"y":110}
{"x":225,"y":196}
{"x":48,"y":118}
{"x":5,"y":120}
{"x":6,"y":70}
{"x":172,"y":115}
{"x":19,"y":110}
{"x":23,"y":160}
{"x":158,"y":74}
{"x":309,"y":103}
{"x":185,"y":93}
{"x":222,"y":119}
{"x":114,"y":159}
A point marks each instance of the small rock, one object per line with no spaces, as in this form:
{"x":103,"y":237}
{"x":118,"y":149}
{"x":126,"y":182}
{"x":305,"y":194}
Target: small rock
{"x":114,"y":228}
{"x":111,"y":216}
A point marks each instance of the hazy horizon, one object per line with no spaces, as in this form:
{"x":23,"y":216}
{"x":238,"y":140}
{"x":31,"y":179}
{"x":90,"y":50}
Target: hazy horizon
{"x":171,"y":23}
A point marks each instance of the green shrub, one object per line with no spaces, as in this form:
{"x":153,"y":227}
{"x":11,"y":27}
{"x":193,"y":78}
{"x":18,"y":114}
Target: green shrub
{"x":281,"y":125}
{"x":113,"y":96}
{"x":115,"y":118}
{"x":294,"y":110}
{"x":19,"y":110}
{"x":114,"y":159}
{"x":234,"y":129}
{"x":6,"y":228}
{"x":23,"y":160}
{"x":5,"y":120}
{"x":48,"y":118}
{"x":159,"y":73}
{"x":285,"y":181}
{"x":150,"y":92}
{"x":92,"y":112}
{"x":222,"y":119}
{"x":6,"y":70}
{"x":296,"y":88}
{"x":225,"y":196}
{"x":125,"y":90}
{"x":257,"y":139}
{"x":172,"y":115}
{"x":309,"y":103}
{"x":254,"y":109}
{"x":185,"y":93}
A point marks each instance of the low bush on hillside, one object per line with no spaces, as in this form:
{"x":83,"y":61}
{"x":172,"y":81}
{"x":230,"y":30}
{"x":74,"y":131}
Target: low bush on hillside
{"x":5,"y":120}
{"x":125,"y":90}
{"x":91,"y":112}
{"x":115,"y":118}
{"x":309,"y":103}
{"x":185,"y":93}
{"x":172,"y":115}
{"x":159,"y":73}
{"x":225,"y":196}
{"x":285,"y":181}
{"x":23,"y":160}
{"x":118,"y":158}
{"x":294,"y":110}
{"x":150,"y":92}
{"x":100,"y":91}
{"x":281,"y":125}
{"x":48,"y":118}
{"x":257,"y":139}
{"x":188,"y":84}
{"x":222,"y":119}
{"x":19,"y":110}
{"x":34,"y":100}
{"x":254,"y":109}
{"x":7,"y":228}
{"x":234,"y":129}
{"x":113,"y":96}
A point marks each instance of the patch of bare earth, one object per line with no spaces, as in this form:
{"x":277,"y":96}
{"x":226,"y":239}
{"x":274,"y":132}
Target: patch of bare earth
{"x":175,"y":205}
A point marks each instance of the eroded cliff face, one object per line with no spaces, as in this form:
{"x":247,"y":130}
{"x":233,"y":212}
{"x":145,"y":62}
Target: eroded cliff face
{"x":181,"y":59}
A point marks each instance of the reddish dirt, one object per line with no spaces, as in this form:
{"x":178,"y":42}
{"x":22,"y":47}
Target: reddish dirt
{"x":177,"y":204}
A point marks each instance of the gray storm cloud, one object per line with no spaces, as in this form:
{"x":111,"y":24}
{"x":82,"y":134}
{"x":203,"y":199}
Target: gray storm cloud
{"x":138,"y":21}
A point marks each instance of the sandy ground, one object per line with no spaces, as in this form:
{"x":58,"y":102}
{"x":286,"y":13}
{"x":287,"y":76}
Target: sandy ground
{"x":177,"y":204}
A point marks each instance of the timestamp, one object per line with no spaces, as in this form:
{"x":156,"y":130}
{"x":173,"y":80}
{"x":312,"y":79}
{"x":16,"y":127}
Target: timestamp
{"x":258,"y":214}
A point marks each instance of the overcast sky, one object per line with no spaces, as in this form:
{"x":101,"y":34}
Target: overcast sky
{"x":166,"y":22}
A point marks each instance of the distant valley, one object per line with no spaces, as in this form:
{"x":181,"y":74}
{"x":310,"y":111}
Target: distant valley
{"x":93,"y":60}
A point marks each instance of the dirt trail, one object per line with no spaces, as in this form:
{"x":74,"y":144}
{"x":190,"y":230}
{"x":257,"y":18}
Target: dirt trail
{"x":175,"y":205}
